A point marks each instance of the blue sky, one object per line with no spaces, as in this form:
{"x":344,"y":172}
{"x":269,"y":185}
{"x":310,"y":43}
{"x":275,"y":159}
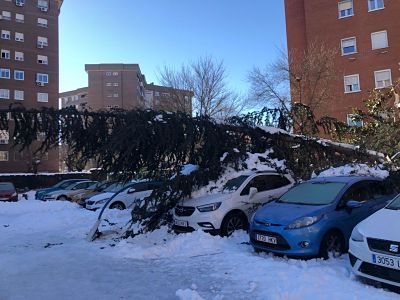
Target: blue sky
{"x":154,"y":33}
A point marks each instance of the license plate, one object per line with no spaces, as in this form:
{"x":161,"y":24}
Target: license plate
{"x":181,"y":223}
{"x":386,"y":261}
{"x":266,"y":239}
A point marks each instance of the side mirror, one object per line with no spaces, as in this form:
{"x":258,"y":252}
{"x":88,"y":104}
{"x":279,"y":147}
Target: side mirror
{"x":131,"y":190}
{"x":351,"y":204}
{"x":253,"y":191}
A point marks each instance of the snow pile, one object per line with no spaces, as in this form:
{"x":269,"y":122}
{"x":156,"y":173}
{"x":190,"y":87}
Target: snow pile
{"x":254,"y":162}
{"x":355,"y":169}
{"x":188,"y":295}
{"x":162,"y":244}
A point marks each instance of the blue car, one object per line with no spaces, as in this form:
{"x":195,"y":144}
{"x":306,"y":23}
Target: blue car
{"x":316,"y":218}
{"x":40,"y":194}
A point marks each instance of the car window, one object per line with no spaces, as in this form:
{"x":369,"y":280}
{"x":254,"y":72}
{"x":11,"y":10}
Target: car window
{"x":82,"y":185}
{"x":395,"y":204}
{"x":6,"y":186}
{"x":359,"y":192}
{"x":64,"y":184}
{"x":380,"y":189}
{"x":235,"y":183}
{"x":140,"y":187}
{"x":265,"y":183}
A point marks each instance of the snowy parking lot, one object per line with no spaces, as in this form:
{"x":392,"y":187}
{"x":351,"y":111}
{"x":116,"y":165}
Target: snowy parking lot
{"x":44,"y":255}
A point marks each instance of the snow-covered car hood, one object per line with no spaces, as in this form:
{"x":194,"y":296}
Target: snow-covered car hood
{"x":285,"y":213}
{"x":218,"y":197}
{"x":384,"y":225}
{"x":101,"y":196}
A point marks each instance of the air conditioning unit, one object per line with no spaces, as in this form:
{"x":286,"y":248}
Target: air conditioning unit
{"x":39,"y":83}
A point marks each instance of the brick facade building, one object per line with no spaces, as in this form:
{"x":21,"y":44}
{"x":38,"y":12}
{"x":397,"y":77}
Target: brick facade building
{"x":29,"y":72}
{"x":366,"y":34}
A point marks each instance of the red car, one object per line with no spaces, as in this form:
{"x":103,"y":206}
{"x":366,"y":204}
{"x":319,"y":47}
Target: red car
{"x":8,"y":192}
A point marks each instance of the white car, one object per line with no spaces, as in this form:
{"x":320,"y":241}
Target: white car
{"x":231,"y":208}
{"x":130,"y":195}
{"x":374,"y":248}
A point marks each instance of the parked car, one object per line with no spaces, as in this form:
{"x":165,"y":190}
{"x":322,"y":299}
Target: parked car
{"x":229,"y":209}
{"x":65,"y":193}
{"x":130,"y":195}
{"x":375,"y":246}
{"x":315,"y":218}
{"x":39,"y":195}
{"x":97,"y":201}
{"x":81,"y":196}
{"x":8,"y":192}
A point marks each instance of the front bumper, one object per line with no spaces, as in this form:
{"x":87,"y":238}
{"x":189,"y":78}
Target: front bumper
{"x":363,"y":265}
{"x":302,"y":242}
{"x":206,"y":221}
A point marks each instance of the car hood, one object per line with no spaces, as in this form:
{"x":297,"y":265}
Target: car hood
{"x":7,"y":192}
{"x":101,"y":196}
{"x":219,"y":197}
{"x":376,"y":226}
{"x":46,"y":190}
{"x":285,"y":214}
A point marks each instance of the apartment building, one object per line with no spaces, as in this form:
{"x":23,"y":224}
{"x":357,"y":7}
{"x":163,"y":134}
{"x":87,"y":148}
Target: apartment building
{"x":113,"y":86}
{"x":366,"y":34}
{"x":29,"y":71}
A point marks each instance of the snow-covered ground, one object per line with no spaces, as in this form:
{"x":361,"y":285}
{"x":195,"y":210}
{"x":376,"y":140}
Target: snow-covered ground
{"x":44,"y":255}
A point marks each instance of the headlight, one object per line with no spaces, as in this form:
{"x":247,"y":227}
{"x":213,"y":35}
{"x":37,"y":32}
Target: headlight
{"x":209,"y":207}
{"x":102,"y":201}
{"x":356,"y":236}
{"x":14,"y":194}
{"x":304,"y":222}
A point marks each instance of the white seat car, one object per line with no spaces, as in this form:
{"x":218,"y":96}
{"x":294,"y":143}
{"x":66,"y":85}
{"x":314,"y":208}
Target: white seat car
{"x":128,"y":196}
{"x":231,"y":207}
{"x":374,"y":248}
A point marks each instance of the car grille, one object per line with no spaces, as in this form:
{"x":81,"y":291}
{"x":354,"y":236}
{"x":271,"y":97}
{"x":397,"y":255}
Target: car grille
{"x":383,"y":246}
{"x":89,"y":202}
{"x":181,"y":229}
{"x":184,"y":211}
{"x":282,"y":243}
{"x":380,"y":272}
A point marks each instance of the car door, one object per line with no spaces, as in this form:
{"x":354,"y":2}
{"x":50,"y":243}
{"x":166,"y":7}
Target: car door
{"x":269,"y":187}
{"x":142,"y":190}
{"x":346,"y":218}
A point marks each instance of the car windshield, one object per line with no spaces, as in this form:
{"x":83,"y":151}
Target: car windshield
{"x":235,"y":183}
{"x":395,"y":204}
{"x":92,"y":186}
{"x":6,"y":186}
{"x":115,"y":187}
{"x":63,"y":184}
{"x":313,"y":193}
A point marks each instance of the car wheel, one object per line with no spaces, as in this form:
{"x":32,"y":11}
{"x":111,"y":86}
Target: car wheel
{"x":62,"y":198}
{"x":332,"y":245}
{"x":117,"y":205}
{"x":232,"y":222}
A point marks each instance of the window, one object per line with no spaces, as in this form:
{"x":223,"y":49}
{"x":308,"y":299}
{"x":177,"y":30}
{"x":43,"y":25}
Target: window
{"x":352,"y":122}
{"x":116,"y":106}
{"x":358,"y":192}
{"x":116,"y":95}
{"x":20,"y":18}
{"x":4,"y":137}
{"x":5,"y":54}
{"x":18,"y":95}
{"x":108,"y":73}
{"x":42,"y":59}
{"x":379,"y":40}
{"x":375,"y":4}
{"x":3,"y":155}
{"x":42,"y":22}
{"x":108,"y":84}
{"x":42,"y":42}
{"x":19,"y":2}
{"x":109,"y":106}
{"x":349,"y":46}
{"x":5,"y":35}
{"x":115,"y":73}
{"x":351,"y":83}
{"x":19,"y":37}
{"x":43,"y":5}
{"x":19,"y":56}
{"x":19,"y":75}
{"x":116,"y":84}
{"x":5,"y":73}
{"x":42,"y":97}
{"x":4,"y":94}
{"x":6,"y":15}
{"x":41,"y":136}
{"x":383,"y":78}
{"x":157,"y":94}
{"x":346,"y":8}
{"x":42,"y":78}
